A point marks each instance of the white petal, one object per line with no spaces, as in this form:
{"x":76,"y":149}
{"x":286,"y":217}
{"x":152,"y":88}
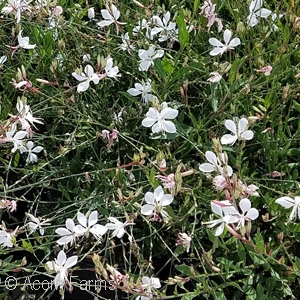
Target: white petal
{"x":115,"y":12}
{"x":61,"y":258}
{"x":215,"y":42}
{"x":166,"y":200}
{"x":286,"y":202}
{"x":207,"y":167}
{"x":216,"y":51}
{"x":79,"y":77}
{"x":169,"y":113}
{"x":228,"y":139}
{"x":219,"y":230}
{"x":255,"y":5}
{"x":252,"y":214}
{"x":82,"y":219}
{"x":37,"y":149}
{"x":147,"y":209}
{"x":89,"y":71}
{"x":234,"y":42}
{"x":229,"y":171}
{"x":104,"y":23}
{"x":263,"y":13}
{"x":211,"y":157}
{"x":158,"y":193}
{"x":145,"y":65}
{"x":64,"y":240}
{"x":227,"y":36}
{"x":105,"y":14}
{"x":134,"y":92}
{"x":62,"y":231}
{"x":217,"y":209}
{"x":20,"y":135}
{"x":247,"y":135}
{"x":98,"y":230}
{"x":93,"y":218}
{"x":148,"y":122}
{"x":230,"y":125}
{"x":71,"y":261}
{"x":242,"y":125}
{"x":149,"y":198}
{"x":83,"y":86}
{"x":245,"y":205}
{"x":70,"y":224}
{"x":153,"y":113}
{"x":169,"y":126}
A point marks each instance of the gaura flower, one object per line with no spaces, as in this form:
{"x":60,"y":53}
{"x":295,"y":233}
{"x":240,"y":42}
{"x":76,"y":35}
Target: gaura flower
{"x":110,"y":16}
{"x":7,"y":239}
{"x":256,"y":11}
{"x":215,"y":164}
{"x":156,"y":202}
{"x":36,"y":224}
{"x":91,"y":13}
{"x":208,"y":11}
{"x":32,"y":152}
{"x":159,"y":120}
{"x":117,"y":227}
{"x":266,"y":70}
{"x":89,"y":225}
{"x":68,"y":235}
{"x":239,"y":132}
{"x":16,"y":7}
{"x":148,"y":283}
{"x":220,"y":48}
{"x":288,"y":202}
{"x":61,"y":266}
{"x":148,"y":56}
{"x":85,"y":78}
{"x":215,"y":77}
{"x":143,"y":89}
{"x":184,"y":240}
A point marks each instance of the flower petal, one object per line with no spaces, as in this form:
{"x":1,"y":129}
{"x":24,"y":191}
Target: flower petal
{"x":247,"y":135}
{"x":215,"y":42}
{"x":234,"y":42}
{"x":147,"y":209}
{"x":169,"y":113}
{"x":252,"y":214}
{"x":207,"y":167}
{"x":93,"y":218}
{"x":71,"y":261}
{"x":242,"y":125}
{"x":228,"y":139}
{"x":227,"y":36}
{"x":169,"y":126}
{"x":149,"y":198}
{"x":286,"y":202}
{"x":245,"y":205}
{"x":230,"y":125}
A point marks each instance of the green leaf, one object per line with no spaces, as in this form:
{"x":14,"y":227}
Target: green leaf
{"x":259,"y":241}
{"x":183,"y":33}
{"x":185,"y":270}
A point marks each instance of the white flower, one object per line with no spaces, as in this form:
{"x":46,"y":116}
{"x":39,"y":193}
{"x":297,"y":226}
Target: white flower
{"x":239,"y":132}
{"x":3,"y":59}
{"x":155,"y":202}
{"x":126,"y":43}
{"x":91,"y":13}
{"x":117,"y":227}
{"x":110,"y":16}
{"x":16,"y":7}
{"x":184,"y":240}
{"x":147,"y":57}
{"x":214,"y":77}
{"x":215,"y":164}
{"x":166,"y":29}
{"x":208,"y":10}
{"x":68,"y":235}
{"x":111,"y":71}
{"x":288,"y":202}
{"x":32,"y":157}
{"x":35,"y":224}
{"x":247,"y":214}
{"x":86,"y":78}
{"x":89,"y":225}
{"x":256,"y":11}
{"x":158,"y":120}
{"x":7,"y":238}
{"x":25,"y":116}
{"x":217,"y":208}
{"x":220,"y":48}
{"x":143,"y":89}
{"x":16,"y":139}
{"x":148,"y":283}
{"x":61,"y":266}
{"x":24,"y":41}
